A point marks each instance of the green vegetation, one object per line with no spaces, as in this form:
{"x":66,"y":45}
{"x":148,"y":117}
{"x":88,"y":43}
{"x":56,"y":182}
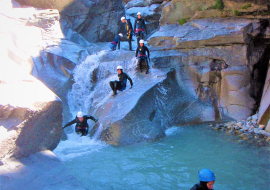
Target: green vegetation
{"x":246,"y":6}
{"x":200,"y":9}
{"x":182,"y":21}
{"x":218,"y":5}
{"x":237,"y":13}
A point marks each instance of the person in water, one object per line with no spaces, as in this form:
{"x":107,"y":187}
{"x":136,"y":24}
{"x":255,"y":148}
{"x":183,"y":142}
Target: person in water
{"x":122,"y":83}
{"x":140,"y":28}
{"x":81,"y":123}
{"x":207,"y":179}
{"x":116,"y":41}
{"x":142,"y":49}
{"x":129,"y":30}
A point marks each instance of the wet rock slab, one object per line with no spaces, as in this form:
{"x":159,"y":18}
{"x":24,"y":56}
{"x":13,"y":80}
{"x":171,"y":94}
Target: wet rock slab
{"x":42,"y":170}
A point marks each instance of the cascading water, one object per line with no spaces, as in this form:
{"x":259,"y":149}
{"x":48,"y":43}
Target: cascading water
{"x":169,"y":163}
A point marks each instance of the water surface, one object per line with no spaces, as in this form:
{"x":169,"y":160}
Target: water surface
{"x":169,"y":163}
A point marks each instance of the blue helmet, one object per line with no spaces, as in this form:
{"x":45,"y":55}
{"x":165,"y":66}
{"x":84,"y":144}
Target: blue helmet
{"x":206,"y":175}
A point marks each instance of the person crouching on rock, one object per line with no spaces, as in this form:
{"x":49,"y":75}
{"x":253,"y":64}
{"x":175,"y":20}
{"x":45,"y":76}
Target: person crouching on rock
{"x":81,"y":123}
{"x":207,"y":179}
{"x":116,"y":41}
{"x":142,"y":49}
{"x":122,"y":83}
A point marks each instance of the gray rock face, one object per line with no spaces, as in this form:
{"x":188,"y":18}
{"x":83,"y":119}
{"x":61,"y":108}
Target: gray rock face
{"x":97,"y":20}
{"x":30,"y":122}
{"x":233,"y":53}
{"x":42,"y":170}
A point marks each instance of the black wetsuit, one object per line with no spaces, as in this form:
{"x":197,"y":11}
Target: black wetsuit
{"x":81,"y":127}
{"x":129,"y":32}
{"x":140,"y":28}
{"x":116,"y":41}
{"x":121,"y":84}
{"x":142,"y":56}
{"x":200,"y":186}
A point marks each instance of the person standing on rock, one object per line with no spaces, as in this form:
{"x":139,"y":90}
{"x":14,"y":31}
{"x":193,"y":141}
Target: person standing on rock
{"x":140,"y":28}
{"x":207,"y":179}
{"x":122,"y":83}
{"x":81,"y":123}
{"x":116,"y":41}
{"x":141,"y":50}
{"x":129,"y":30}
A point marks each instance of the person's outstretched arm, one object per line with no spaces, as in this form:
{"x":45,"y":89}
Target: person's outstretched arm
{"x":144,"y":26}
{"x":69,"y":123}
{"x":148,"y":52}
{"x":137,"y":52}
{"x":92,"y":118}
{"x":130,"y":80}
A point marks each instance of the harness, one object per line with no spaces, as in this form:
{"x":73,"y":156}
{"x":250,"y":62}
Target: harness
{"x":114,"y":43}
{"x":142,"y":55}
{"x":139,"y":30}
{"x":81,"y":127}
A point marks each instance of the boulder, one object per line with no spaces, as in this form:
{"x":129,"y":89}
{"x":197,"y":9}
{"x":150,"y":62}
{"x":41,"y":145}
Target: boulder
{"x":203,"y":32}
{"x":97,"y":20}
{"x":42,"y":170}
{"x":31,"y":120}
{"x":264,"y":109}
{"x":182,"y":9}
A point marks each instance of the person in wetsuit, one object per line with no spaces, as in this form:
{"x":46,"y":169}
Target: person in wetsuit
{"x":116,"y":41}
{"x":122,"y":83}
{"x":207,"y":179}
{"x":81,"y":123}
{"x":129,"y":30}
{"x":142,"y":49}
{"x":140,"y":28}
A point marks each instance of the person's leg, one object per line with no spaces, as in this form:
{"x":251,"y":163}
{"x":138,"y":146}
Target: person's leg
{"x":77,"y":130}
{"x":140,"y":63}
{"x":147,"y":66}
{"x":138,"y":39}
{"x":112,"y":85}
{"x":129,"y":42}
{"x":141,"y":35}
{"x":115,"y":87}
{"x":83,"y":131}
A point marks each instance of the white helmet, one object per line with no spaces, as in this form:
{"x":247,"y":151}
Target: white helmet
{"x":123,"y":18}
{"x":119,"y":67}
{"x":120,"y":34}
{"x":79,"y":114}
{"x":141,"y":41}
{"x":139,"y":13}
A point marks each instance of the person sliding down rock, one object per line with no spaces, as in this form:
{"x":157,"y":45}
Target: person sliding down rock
{"x":142,"y":49}
{"x":139,"y":27}
{"x":129,"y":30}
{"x":116,"y":41}
{"x":122,"y":83}
{"x":81,"y":123}
{"x":207,"y":179}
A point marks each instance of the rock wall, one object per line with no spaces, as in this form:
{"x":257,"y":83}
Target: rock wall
{"x":28,"y":107}
{"x":234,"y":52}
{"x":95,"y":20}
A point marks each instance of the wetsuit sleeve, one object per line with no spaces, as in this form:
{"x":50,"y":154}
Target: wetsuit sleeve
{"x":130,"y":26}
{"x":135,"y":24}
{"x":144,"y":26}
{"x":130,"y":80}
{"x":69,"y":123}
{"x":137,"y":52}
{"x":148,"y":52}
{"x":91,"y":117}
